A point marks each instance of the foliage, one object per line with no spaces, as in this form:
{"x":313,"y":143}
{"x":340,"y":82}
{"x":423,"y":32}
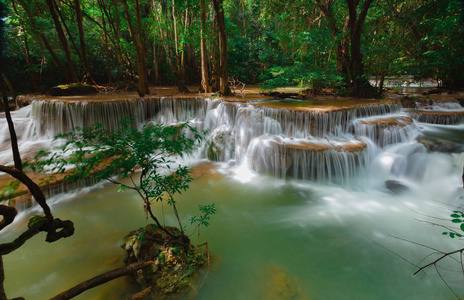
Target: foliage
{"x":457,"y":218}
{"x":147,"y":157}
{"x":299,"y":74}
{"x":203,"y":220}
{"x":9,"y":191}
{"x":265,"y":38}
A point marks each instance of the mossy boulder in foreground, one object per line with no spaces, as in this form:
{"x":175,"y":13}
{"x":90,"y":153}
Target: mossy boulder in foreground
{"x":73,"y":89}
{"x":176,"y":261}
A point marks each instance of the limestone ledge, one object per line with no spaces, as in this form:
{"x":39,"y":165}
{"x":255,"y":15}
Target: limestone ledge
{"x":321,"y":146}
{"x":390,"y":122}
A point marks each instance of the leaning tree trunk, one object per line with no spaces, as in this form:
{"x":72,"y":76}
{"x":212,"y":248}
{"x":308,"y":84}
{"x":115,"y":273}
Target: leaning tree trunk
{"x":63,"y":41}
{"x":80,"y":26}
{"x":223,"y":74}
{"x":44,"y":39}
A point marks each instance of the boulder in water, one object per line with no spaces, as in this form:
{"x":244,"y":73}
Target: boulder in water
{"x":176,"y":261}
{"x":396,"y":186}
{"x":74,"y":89}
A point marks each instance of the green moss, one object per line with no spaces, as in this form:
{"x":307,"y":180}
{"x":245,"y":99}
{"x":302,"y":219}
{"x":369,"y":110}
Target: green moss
{"x":176,"y":264}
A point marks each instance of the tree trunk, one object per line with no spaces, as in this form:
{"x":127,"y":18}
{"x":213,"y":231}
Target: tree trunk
{"x":85,"y":63}
{"x":28,"y":55}
{"x":45,"y":41}
{"x":107,"y":50}
{"x":63,"y":41}
{"x":2,"y":280}
{"x":204,"y":87}
{"x":214,"y":61}
{"x":143,"y":88}
{"x":30,"y":64}
{"x":101,"y":279}
{"x":348,"y":46}
{"x":155,"y":61}
{"x":361,"y":86}
{"x":223,"y":74}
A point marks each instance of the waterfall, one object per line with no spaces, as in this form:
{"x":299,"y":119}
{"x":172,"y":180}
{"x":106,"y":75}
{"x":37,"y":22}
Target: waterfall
{"x":333,"y":144}
{"x":292,"y":142}
{"x":443,"y":117}
{"x":385,"y":130}
{"x":54,"y":117}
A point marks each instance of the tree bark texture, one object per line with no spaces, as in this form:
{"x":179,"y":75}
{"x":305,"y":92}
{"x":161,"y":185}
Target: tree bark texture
{"x":101,"y":279}
{"x":44,"y":40}
{"x":204,"y":87}
{"x":80,"y":26}
{"x":348,"y":45}
{"x":63,"y":41}
{"x":223,"y":74}
{"x":137,"y":39}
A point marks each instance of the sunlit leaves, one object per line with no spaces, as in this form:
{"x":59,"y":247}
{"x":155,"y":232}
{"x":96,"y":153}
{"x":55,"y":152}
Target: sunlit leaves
{"x":457,"y":218}
{"x":146,"y":156}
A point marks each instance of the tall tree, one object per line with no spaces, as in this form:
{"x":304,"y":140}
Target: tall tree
{"x":224,"y":88}
{"x":204,"y":57}
{"x":348,"y":43}
{"x":137,"y":39}
{"x":80,"y":26}
{"x":64,"y":44}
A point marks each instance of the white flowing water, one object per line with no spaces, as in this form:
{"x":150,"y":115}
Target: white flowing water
{"x":301,"y":214}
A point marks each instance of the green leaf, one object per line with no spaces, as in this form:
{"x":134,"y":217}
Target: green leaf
{"x":456,"y":220}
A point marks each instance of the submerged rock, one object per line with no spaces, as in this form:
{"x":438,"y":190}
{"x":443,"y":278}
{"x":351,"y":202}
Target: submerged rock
{"x":176,"y":261}
{"x":279,"y":285}
{"x":396,"y":186}
{"x":72,"y":90}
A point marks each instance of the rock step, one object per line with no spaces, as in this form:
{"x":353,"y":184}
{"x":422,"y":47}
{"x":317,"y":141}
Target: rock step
{"x":385,"y":130}
{"x":437,"y":117}
{"x":320,"y":160}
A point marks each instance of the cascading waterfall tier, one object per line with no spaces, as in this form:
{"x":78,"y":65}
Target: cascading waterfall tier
{"x":283,"y":138}
{"x":289,"y":140}
{"x":326,"y":161}
{"x":442,"y":117}
{"x":317,"y":120}
{"x":54,"y":117}
{"x":385,"y":130}
{"x":442,"y":111}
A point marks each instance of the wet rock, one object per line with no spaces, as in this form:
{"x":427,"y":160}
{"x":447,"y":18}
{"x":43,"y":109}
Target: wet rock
{"x":408,"y":102}
{"x":461,"y":101}
{"x":176,"y":261}
{"x":439,"y":145}
{"x":396,"y":186}
{"x":219,"y":147}
{"x":72,"y":90}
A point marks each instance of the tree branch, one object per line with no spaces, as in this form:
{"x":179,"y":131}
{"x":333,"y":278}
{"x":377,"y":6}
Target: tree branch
{"x":438,"y":259}
{"x":101,"y":279}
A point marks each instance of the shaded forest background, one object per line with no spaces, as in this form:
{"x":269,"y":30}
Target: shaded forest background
{"x":335,"y":44}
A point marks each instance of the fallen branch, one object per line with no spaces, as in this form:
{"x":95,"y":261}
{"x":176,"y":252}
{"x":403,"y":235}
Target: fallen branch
{"x":101,"y":279}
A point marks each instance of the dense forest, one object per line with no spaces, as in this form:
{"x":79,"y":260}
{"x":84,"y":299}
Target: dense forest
{"x":320,"y":43}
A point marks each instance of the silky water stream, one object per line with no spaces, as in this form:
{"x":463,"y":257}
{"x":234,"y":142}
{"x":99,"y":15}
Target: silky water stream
{"x":304,"y":211}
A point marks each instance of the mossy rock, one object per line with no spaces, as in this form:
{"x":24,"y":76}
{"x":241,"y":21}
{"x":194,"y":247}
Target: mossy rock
{"x":176,"y":261}
{"x":74,"y":89}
